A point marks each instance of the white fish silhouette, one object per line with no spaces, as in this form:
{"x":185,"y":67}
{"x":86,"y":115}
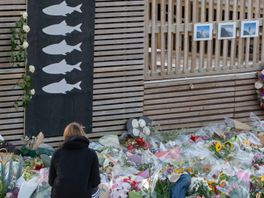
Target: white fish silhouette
{"x":60,"y":87}
{"x":61,"y":9}
{"x":61,"y":29}
{"x":61,"y":48}
{"x":61,"y":67}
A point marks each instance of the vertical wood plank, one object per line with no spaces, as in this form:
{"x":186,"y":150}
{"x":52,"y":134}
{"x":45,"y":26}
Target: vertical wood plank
{"x":233,"y":42}
{"x":241,"y":40}
{"x":186,"y":37}
{"x":194,"y":43}
{"x":146,"y":44}
{"x":178,"y":37}
{"x":169,"y":43}
{"x":210,"y":43}
{"x":153,"y":39}
{"x":256,"y":39}
{"x":249,"y":16}
{"x":163,"y":16}
{"x":202,"y":43}
{"x":225,"y":50}
{"x":217,"y":42}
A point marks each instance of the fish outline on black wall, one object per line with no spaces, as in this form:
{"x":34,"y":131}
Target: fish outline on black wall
{"x":61,"y":67}
{"x":61,"y":9}
{"x":61,"y":87}
{"x":61,"y":29}
{"x":61,"y":48}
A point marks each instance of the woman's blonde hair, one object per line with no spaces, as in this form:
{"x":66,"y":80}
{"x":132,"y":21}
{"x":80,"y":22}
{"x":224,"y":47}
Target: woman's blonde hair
{"x":73,"y":129}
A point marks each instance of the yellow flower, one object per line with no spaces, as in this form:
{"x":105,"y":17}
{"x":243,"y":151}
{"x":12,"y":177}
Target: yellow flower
{"x":246,"y":143}
{"x":179,"y":170}
{"x":218,"y":146}
{"x":262,"y":178}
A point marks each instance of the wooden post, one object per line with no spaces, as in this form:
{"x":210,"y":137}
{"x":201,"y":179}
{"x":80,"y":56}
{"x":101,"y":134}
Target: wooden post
{"x":162,"y":18}
{"x":186,"y":37}
{"x":233,"y":42}
{"x":169,"y":43}
{"x":153,"y":39}
{"x":178,"y":37}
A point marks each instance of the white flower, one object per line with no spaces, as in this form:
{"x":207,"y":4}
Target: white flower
{"x":26,"y":28}
{"x":32,"y":92}
{"x":24,"y":15}
{"x":135,"y":123}
{"x":142,"y":123}
{"x":146,"y":130}
{"x":262,"y":72}
{"x":258,"y":84}
{"x":25,"y":45}
{"x":135,"y":132}
{"x":31,"y":68}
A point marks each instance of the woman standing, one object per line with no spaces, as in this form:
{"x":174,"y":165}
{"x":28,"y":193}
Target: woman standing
{"x":74,"y":170}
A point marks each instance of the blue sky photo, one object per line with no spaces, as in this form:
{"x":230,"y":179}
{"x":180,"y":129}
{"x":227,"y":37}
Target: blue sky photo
{"x":203,"y":31}
{"x":250,"y":28}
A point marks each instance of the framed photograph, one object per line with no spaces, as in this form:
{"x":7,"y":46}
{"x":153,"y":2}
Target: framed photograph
{"x":203,"y":31}
{"x":249,"y":29}
{"x":226,"y":30}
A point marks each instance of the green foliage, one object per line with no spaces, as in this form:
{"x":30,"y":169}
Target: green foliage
{"x":162,"y":189}
{"x":19,"y":59}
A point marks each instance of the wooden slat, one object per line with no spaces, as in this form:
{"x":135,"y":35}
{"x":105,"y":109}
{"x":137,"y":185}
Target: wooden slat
{"x":241,"y":40}
{"x":169,"y":40}
{"x":186,"y":37}
{"x":225,"y":48}
{"x":153,"y":38}
{"x":233,"y":42}
{"x":194,"y":43}
{"x":162,"y":35}
{"x":249,"y":16}
{"x":178,"y":38}
{"x":210,"y":43}
{"x":256,"y":45}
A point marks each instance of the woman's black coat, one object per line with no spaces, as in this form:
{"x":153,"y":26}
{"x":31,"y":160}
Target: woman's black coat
{"x":74,"y":170}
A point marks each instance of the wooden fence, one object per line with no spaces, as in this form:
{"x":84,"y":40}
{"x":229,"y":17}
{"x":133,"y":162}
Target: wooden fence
{"x":171,"y":52}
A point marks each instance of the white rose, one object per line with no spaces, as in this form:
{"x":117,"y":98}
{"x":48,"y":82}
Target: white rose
{"x":135,"y":123}
{"x":136,"y":132}
{"x":146,"y":130}
{"x":258,"y":84}
{"x":142,"y":123}
{"x":26,"y":28}
{"x":32,"y":92}
{"x":25,"y":45}
{"x":24,"y":15}
{"x":31,"y":68}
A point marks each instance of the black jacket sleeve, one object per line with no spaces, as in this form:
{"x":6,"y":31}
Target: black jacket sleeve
{"x":95,"y":176}
{"x":52,"y":171}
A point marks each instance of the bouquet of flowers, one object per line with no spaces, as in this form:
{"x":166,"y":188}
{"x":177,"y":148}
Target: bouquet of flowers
{"x":138,"y":133}
{"x":221,"y":150}
{"x":199,"y":187}
{"x":260,"y":88}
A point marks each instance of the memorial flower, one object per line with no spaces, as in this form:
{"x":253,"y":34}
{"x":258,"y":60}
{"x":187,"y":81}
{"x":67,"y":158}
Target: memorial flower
{"x":26,"y":28}
{"x":24,"y":15}
{"x":25,"y":45}
{"x":31,"y":68}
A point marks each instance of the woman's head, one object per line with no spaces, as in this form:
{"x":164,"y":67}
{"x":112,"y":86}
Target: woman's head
{"x":73,"y":129}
